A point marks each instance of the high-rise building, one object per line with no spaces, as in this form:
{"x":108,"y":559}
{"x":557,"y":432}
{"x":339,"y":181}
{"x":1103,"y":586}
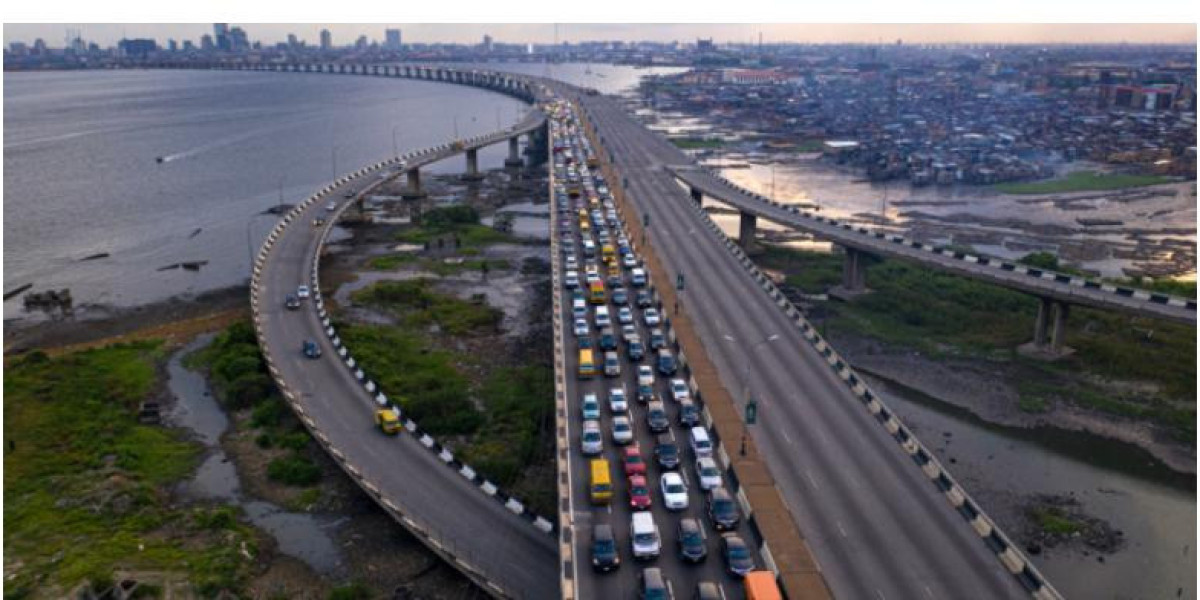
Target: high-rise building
{"x":392,"y":39}
{"x":138,"y":48}
{"x":292,"y":43}
{"x":487,"y":43}
{"x":221,"y":36}
{"x":206,"y":43}
{"x":360,"y":43}
{"x":172,"y":45}
{"x":238,"y":41}
{"x":326,"y":39}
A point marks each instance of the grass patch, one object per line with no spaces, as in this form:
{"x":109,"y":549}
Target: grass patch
{"x":939,"y":313}
{"x":294,"y":470}
{"x":697,"y":143}
{"x":86,"y":486}
{"x":415,"y":304}
{"x":1082,"y":181}
{"x":455,"y":226}
{"x":1053,"y":520}
{"x":518,"y":401}
{"x":389,"y":262}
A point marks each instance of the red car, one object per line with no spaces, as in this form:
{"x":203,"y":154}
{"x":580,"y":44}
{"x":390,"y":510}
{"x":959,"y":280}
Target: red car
{"x":634,"y":465}
{"x":639,"y":494}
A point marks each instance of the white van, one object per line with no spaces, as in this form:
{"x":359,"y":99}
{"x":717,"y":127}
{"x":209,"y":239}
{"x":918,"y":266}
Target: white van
{"x":644,"y":535}
{"x":701,"y":444}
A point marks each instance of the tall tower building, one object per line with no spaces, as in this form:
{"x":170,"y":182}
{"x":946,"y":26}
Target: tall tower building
{"x":221,"y":36}
{"x":392,"y":39}
{"x":326,"y":39}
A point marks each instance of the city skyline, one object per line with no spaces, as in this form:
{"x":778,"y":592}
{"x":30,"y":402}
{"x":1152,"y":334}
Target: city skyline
{"x":55,"y":34}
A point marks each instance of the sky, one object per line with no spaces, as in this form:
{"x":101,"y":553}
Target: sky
{"x":108,"y":34}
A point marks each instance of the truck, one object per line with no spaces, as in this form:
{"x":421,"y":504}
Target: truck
{"x":761,"y":585}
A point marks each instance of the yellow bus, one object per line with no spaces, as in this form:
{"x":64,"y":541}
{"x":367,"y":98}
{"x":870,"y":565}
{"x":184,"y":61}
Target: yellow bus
{"x":587,"y":364}
{"x":609,"y":253}
{"x":596,"y":292}
{"x":600,"y":487}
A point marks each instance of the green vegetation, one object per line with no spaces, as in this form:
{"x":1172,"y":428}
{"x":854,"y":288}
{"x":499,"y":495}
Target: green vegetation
{"x":351,"y":591}
{"x":697,"y":143}
{"x":1054,"y":520}
{"x":415,"y":304}
{"x":86,"y":486}
{"x":1174,"y":287}
{"x":449,"y":223}
{"x":1082,"y":181}
{"x":390,"y":262}
{"x":293,"y":470}
{"x":940,"y":314}
{"x":438,"y":266}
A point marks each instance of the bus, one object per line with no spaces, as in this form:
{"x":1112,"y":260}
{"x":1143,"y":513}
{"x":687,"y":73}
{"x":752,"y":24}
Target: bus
{"x":609,"y":253}
{"x":587,"y":364}
{"x":596,"y":292}
{"x":600,"y":487}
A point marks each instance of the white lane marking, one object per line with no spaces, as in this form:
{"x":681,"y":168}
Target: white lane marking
{"x":928,"y":592}
{"x":811,"y":480}
{"x":787,"y":437}
{"x":721,"y":588}
{"x":841,"y":530}
{"x":879,"y":592}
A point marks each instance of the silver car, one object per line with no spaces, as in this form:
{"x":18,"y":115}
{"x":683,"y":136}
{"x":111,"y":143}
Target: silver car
{"x":592,"y":441}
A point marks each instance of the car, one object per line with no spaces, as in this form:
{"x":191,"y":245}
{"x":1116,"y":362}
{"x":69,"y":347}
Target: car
{"x":708,"y":590}
{"x":581,"y":327}
{"x":639,"y":494}
{"x":644,"y":535}
{"x":738,"y":560}
{"x":620,"y":297}
{"x":604,"y":548}
{"x":637,"y":277}
{"x":608,"y":341}
{"x":628,"y":332}
{"x":689,"y":413}
{"x":590,"y":439}
{"x":317,"y":222}
{"x":585,"y":342}
{"x":617,"y":402}
{"x":654,"y":586}
{"x":679,"y":389}
{"x":332,"y":206}
{"x":629,"y":261}
{"x":590,"y":407}
{"x":643,"y":299}
{"x":612,"y":364}
{"x":291,"y":302}
{"x":624,"y":315}
{"x":349,"y":194}
{"x":602,"y":317}
{"x":666,"y":452}
{"x":633,"y":461}
{"x":722,"y":510}
{"x":708,"y":476}
{"x":645,"y":376}
{"x":571,"y":280}
{"x":590,"y":275}
{"x":579,"y":309}
{"x":674,"y":492}
{"x":311,"y":349}
{"x":690,"y":539}
{"x":302,"y":292}
{"x":650,"y":317}
{"x":622,"y":430}
{"x":666,"y":362}
{"x":636,"y":352}
{"x":571,"y":263}
{"x":656,"y":417}
{"x":658,"y":341}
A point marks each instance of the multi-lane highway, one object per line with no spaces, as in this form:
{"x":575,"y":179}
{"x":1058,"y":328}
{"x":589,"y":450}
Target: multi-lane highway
{"x":680,"y":576}
{"x":461,"y":522}
{"x":876,"y":525}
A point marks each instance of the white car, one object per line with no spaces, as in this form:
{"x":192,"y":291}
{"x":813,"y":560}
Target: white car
{"x":645,"y":375}
{"x":625,"y":316}
{"x":571,"y":280}
{"x":622,"y":430}
{"x":707,"y":473}
{"x":679,"y":389}
{"x":650,"y":316}
{"x":629,"y":261}
{"x":592,"y":277}
{"x":617,"y":402}
{"x":674,"y":492}
{"x":572,"y":264}
{"x":581,"y":327}
{"x":644,"y":535}
{"x":302,"y":291}
{"x":628,"y":332}
{"x":590,"y":408}
{"x":591,"y":440}
{"x":602,"y":318}
{"x":331,"y":206}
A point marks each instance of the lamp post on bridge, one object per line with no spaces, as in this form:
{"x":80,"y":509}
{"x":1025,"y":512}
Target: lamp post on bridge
{"x":751,"y":410}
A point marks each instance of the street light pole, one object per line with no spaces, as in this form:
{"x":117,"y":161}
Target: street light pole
{"x":395,"y":148}
{"x":333,"y":158}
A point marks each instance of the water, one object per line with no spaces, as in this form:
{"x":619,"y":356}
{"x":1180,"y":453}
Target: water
{"x":300,"y":535}
{"x":81,"y":177}
{"x":1154,"y":507}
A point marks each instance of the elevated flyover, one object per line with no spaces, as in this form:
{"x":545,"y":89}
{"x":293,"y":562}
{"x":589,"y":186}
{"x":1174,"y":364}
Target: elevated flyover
{"x":489,"y":536}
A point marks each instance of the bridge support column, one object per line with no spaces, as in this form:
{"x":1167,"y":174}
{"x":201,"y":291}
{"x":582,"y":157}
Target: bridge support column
{"x":413,"y":191}
{"x":697,"y":196}
{"x":854,"y":276}
{"x":514,"y":153}
{"x":472,"y":173}
{"x":1049,"y":331}
{"x":746,"y":228}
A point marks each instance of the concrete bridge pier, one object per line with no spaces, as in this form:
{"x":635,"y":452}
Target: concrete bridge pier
{"x":413,"y":191}
{"x":854,"y":275}
{"x":1049,"y":331}
{"x":698,"y":197}
{"x":472,"y":173}
{"x":539,"y":145}
{"x":747,"y":225}
{"x":514,"y":153}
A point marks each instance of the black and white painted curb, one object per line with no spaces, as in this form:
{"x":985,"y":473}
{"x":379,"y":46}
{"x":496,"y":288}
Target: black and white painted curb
{"x":1072,"y":281}
{"x":1008,"y":553}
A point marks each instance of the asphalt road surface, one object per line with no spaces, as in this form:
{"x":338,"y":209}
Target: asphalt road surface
{"x":878,"y":528}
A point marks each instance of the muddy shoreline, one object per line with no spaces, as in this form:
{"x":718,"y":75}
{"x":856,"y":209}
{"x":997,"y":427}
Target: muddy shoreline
{"x":981,"y":389}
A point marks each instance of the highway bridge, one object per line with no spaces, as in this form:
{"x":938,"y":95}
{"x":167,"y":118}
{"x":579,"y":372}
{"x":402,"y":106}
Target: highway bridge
{"x":856,"y":482}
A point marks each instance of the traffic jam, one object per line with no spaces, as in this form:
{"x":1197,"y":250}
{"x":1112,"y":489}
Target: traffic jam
{"x":648,"y":494}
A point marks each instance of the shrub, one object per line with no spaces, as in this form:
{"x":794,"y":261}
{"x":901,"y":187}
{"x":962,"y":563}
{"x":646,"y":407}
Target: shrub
{"x":294,"y":470}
